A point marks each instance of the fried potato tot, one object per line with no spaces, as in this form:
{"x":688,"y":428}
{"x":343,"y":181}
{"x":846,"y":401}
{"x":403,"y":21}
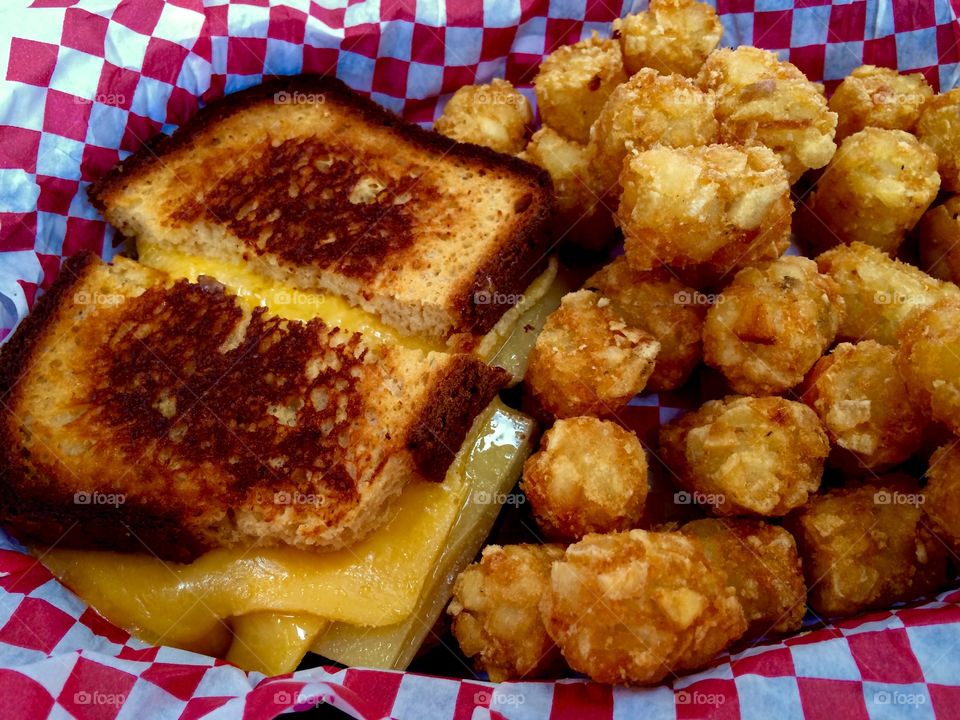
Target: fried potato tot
{"x":938,"y":236}
{"x":574,"y":82}
{"x":762,"y":565}
{"x":496,"y":116}
{"x":582,"y":218}
{"x":875,"y":189}
{"x":928,"y":359}
{"x":939,"y":129}
{"x":646,"y":110}
{"x":634,"y":607}
{"x":588,"y":361}
{"x":495,"y":612}
{"x":661,"y":305}
{"x":747,"y":455}
{"x":771,"y":324}
{"x":942,"y":494}
{"x":871,"y":420}
{"x":672,"y":36}
{"x":879,"y":97}
{"x":717,"y":206}
{"x":878,"y":291}
{"x":589,"y":476}
{"x":763,"y":99}
{"x":866,"y":547}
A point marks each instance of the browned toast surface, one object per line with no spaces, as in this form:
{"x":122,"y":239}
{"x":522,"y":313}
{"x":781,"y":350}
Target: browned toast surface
{"x":145,"y":414}
{"x":325,"y":190}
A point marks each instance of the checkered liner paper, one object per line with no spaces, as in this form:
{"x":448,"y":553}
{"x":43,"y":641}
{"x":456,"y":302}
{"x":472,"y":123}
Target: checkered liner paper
{"x":84,"y":82}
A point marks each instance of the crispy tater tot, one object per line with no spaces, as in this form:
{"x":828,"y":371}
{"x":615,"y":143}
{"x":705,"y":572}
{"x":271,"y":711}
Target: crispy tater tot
{"x":871,"y":420}
{"x":636,"y":606}
{"x":942,"y":494}
{"x":589,"y":476}
{"x":938,"y":235}
{"x":648,"y":109}
{"x":867,"y":547}
{"x":574,"y":82}
{"x":761,"y":98}
{"x":587,"y":360}
{"x":878,"y":291}
{"x":495,"y":612}
{"x":878,"y":97}
{"x":771,"y":324}
{"x":939,"y":129}
{"x":928,"y":359}
{"x":875,"y":189}
{"x":717,"y":206}
{"x":582,"y":218}
{"x":672,"y":36}
{"x":495,"y":116}
{"x":762,"y":564}
{"x":663,"y":306}
{"x":747,"y":455}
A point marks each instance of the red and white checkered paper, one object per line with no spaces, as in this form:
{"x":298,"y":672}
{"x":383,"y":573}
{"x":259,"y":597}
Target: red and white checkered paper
{"x":85,"y":82}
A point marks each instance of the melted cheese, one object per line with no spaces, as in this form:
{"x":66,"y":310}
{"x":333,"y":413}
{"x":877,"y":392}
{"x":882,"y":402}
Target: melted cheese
{"x":379,"y":581}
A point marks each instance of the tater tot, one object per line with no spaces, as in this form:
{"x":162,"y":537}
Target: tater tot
{"x":646,"y":110}
{"x":863,"y":403}
{"x":589,"y":476}
{"x":939,"y":129}
{"x":878,"y":291}
{"x":942,"y":494}
{"x":672,"y":36}
{"x":867,"y":547}
{"x":938,"y":235}
{"x":495,"y":612}
{"x":928,"y":359}
{"x":663,"y":306}
{"x":771,"y":324}
{"x":582,"y":218}
{"x":588,"y":361}
{"x":761,"y":98}
{"x":875,"y":189}
{"x":574,"y":82}
{"x":878,"y":97}
{"x":716,"y":206}
{"x":762,"y":564}
{"x":747,"y":455}
{"x":496,"y":116}
{"x":633,"y":607}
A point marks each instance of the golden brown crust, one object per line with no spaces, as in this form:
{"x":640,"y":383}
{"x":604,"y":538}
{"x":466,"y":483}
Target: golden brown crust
{"x":210,"y":424}
{"x":509,"y":264}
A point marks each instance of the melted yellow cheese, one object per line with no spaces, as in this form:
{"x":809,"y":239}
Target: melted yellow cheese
{"x":272,"y":643}
{"x":379,"y":581}
{"x":256,"y":290}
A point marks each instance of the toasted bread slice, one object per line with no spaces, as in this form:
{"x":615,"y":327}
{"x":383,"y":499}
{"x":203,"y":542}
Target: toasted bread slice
{"x":139,"y":413}
{"x":325,"y":190}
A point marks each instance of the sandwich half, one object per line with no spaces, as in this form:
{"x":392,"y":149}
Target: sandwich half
{"x":317,"y":189}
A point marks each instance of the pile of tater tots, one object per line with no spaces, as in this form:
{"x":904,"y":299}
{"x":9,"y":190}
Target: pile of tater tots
{"x":825,"y":477}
